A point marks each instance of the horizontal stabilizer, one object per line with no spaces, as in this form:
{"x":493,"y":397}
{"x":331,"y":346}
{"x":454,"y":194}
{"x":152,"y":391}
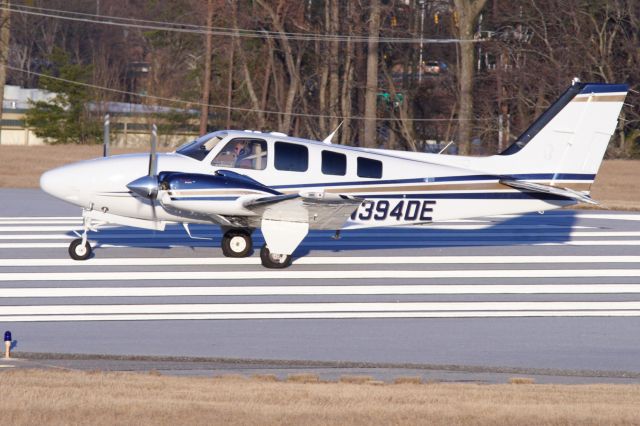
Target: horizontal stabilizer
{"x":548,"y":189}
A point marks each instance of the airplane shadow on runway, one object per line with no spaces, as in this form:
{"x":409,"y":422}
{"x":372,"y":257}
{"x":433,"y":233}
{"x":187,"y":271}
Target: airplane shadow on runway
{"x":549,"y":228}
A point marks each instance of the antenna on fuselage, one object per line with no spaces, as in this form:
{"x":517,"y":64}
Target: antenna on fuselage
{"x":327,"y":140}
{"x":445,"y":148}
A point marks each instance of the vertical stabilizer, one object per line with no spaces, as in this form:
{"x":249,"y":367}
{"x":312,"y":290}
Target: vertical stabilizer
{"x":571,"y":136}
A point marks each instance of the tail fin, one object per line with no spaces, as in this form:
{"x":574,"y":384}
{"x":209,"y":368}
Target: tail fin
{"x":572,"y":135}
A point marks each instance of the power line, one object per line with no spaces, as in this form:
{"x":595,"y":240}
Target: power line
{"x":225,"y":107}
{"x":218,"y":31}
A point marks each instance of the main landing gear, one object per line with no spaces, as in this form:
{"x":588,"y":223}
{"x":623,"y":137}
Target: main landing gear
{"x":237,"y":243}
{"x":273,"y":260}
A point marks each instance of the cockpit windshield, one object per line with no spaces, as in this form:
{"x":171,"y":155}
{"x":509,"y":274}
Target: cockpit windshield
{"x":199,"y":148}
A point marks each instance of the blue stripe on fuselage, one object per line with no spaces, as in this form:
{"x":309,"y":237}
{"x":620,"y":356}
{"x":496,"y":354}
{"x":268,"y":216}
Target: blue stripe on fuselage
{"x":469,"y":196}
{"x":532,"y":176}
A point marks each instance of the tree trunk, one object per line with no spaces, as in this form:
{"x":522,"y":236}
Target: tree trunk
{"x":323,"y":67}
{"x":230,"y":83}
{"x":292,"y":64}
{"x":4,"y":54}
{"x":260,"y":124}
{"x":371,"y":91}
{"x":334,"y":82}
{"x":468,"y":11}
{"x":206,"y":78}
{"x":347,"y":82}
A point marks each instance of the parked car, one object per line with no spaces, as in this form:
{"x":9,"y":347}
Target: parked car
{"x":434,"y":67}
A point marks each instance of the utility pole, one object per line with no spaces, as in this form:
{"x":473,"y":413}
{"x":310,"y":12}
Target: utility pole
{"x":206,"y":78}
{"x":4,"y":53}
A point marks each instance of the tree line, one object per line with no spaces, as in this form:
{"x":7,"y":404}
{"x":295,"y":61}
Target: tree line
{"x":393,"y":73}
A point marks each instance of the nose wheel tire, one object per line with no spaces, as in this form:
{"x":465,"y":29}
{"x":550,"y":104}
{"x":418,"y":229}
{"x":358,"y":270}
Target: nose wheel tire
{"x":79,"y":251}
{"x":273,"y":260}
{"x":236,"y":243}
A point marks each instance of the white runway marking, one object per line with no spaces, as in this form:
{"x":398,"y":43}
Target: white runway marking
{"x":243,"y":308}
{"x":314,"y":310}
{"x":396,"y":289}
{"x":315,"y":315}
{"x":37,"y":218}
{"x":323,"y":260}
{"x":316,"y":274}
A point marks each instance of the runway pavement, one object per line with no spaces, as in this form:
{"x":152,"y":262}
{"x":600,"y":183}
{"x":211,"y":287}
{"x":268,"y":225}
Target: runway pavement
{"x":559,"y":290}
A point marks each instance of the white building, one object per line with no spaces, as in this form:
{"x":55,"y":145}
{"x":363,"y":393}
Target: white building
{"x":130,"y":123}
{"x":14,"y":107}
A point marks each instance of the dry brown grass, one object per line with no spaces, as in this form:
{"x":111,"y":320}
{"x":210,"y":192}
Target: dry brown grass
{"x":358,"y":380}
{"x":617,"y":185}
{"x":61,"y":398}
{"x":265,"y":377}
{"x":521,"y":381}
{"x":23,"y":165}
{"x":408,"y":380}
{"x":303,"y":378}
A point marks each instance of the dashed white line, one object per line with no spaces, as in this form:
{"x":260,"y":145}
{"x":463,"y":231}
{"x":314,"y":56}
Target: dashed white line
{"x":396,"y":289}
{"x":316,"y":274}
{"x":313,"y":260}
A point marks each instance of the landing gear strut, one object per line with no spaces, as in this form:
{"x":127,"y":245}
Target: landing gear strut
{"x":273,"y":260}
{"x":237,"y":243}
{"x":80,"y":249}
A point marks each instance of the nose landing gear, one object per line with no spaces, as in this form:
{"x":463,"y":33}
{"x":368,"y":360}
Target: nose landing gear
{"x":80,"y":249}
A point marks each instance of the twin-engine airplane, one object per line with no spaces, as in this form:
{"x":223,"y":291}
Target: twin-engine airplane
{"x":244,"y":180}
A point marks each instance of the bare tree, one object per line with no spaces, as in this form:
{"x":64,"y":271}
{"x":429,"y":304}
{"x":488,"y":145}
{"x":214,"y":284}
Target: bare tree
{"x":371,"y":91}
{"x":467,"y":12}
{"x":4,"y":53}
{"x":206,"y":76}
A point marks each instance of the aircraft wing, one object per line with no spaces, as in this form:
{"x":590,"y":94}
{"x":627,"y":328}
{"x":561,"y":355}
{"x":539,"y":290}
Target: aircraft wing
{"x":548,"y":189}
{"x":321,"y":210}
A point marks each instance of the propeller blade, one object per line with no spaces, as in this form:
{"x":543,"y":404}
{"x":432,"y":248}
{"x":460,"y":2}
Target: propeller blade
{"x":153,"y":158}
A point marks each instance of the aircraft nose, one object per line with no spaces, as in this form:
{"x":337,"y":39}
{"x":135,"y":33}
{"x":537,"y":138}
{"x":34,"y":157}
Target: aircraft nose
{"x":56,"y":182}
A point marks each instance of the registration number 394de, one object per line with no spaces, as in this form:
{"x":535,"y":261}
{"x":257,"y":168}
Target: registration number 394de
{"x":403,"y":210}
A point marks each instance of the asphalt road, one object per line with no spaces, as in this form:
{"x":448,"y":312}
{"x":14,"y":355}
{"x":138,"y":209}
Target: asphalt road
{"x":558,"y":291}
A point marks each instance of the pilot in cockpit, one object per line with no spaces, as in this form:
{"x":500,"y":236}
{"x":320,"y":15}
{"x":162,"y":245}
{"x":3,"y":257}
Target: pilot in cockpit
{"x":240,"y":150}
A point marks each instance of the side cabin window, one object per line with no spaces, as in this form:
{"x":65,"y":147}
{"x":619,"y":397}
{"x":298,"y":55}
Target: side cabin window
{"x":334,"y":163}
{"x":243,"y":153}
{"x":368,"y":168}
{"x":291,"y":157}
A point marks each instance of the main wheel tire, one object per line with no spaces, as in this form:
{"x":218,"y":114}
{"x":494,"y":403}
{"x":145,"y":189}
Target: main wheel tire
{"x":236,"y":243}
{"x":78,"y":251}
{"x":273,"y":261}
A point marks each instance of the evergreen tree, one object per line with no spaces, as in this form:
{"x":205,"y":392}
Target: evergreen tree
{"x":66,"y":118}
